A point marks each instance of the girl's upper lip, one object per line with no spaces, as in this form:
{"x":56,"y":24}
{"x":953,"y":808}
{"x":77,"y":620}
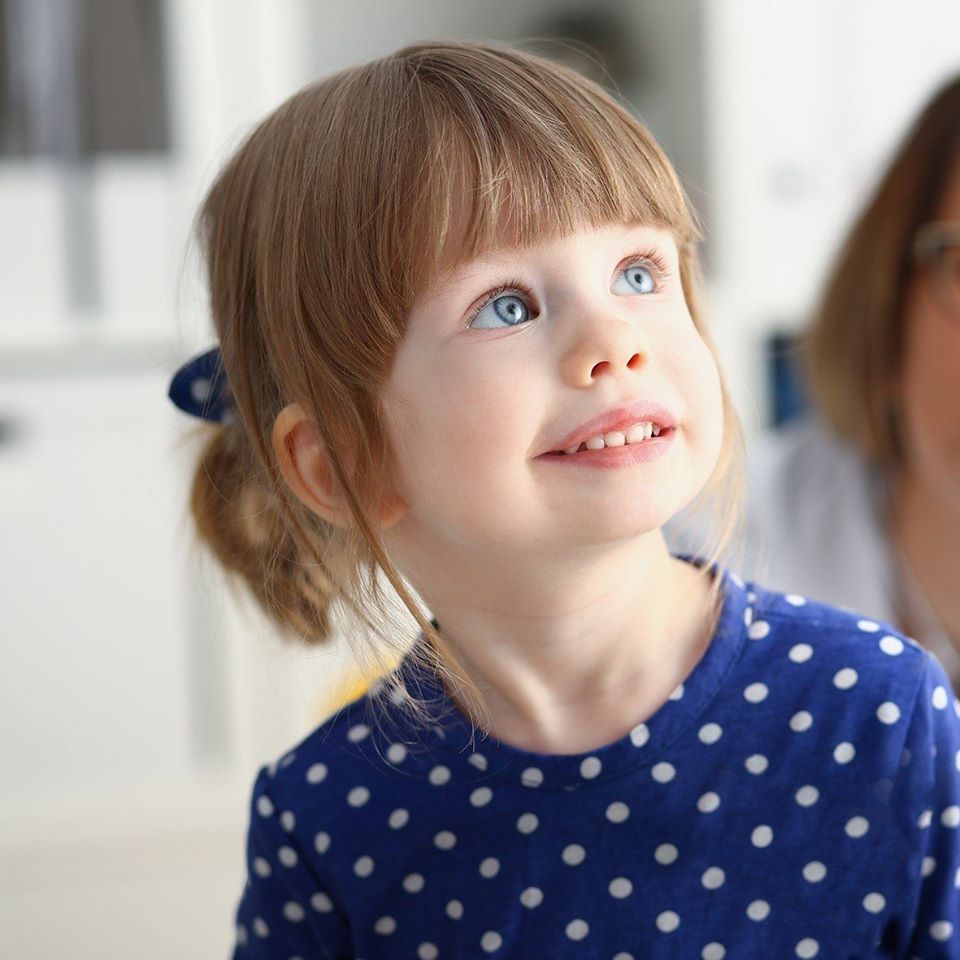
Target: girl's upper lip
{"x":616,"y":419}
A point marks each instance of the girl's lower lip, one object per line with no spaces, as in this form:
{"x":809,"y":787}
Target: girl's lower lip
{"x":610,"y":457}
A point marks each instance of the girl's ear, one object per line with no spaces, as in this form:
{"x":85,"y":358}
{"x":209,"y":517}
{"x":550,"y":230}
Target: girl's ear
{"x":303,"y":461}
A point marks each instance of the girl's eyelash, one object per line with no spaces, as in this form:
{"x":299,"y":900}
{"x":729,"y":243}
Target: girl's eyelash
{"x":517,"y":286}
{"x":509,"y":286}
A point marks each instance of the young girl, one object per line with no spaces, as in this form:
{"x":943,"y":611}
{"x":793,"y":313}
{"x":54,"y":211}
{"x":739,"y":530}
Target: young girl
{"x":460,"y":348}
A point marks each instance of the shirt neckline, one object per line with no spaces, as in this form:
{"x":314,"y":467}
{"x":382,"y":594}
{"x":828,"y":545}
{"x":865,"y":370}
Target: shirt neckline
{"x":644,"y":745}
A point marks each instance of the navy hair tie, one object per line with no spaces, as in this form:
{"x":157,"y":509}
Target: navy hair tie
{"x":200,"y":388}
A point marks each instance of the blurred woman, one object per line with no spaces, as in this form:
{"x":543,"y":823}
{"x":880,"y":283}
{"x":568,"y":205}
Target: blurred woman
{"x":860,"y":504}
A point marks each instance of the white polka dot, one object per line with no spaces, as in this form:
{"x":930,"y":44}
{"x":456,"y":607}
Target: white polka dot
{"x":590,"y":767}
{"x":427,"y":951}
{"x":800,"y":652}
{"x":261,"y":867}
{"x":489,"y":867}
{"x":762,"y":836}
{"x":477,"y":760}
{"x":814,"y":871}
{"x":385,"y":926}
{"x":321,"y":903}
{"x":532,"y":897}
{"x":941,"y":931}
{"x":399,"y":818}
{"x":623,"y":955}
{"x":924,"y":820}
{"x":317,"y":773}
{"x":939,"y":699}
{"x":801,"y":721}
{"x":293,"y":911}
{"x":264,"y":805}
{"x":892,"y":646}
{"x":713,"y":951}
{"x":413,"y":882}
{"x":856,"y":827}
{"x":454,"y":909}
{"x":573,"y":854}
{"x":491,"y":941}
{"x":710,"y":733}
{"x":668,"y":921}
{"x":287,"y":856}
{"x":260,"y":927}
{"x":200,"y":389}
{"x":439,"y":775}
{"x":756,"y":764}
{"x":577,"y":929}
{"x":532,"y":777}
{"x":358,"y":796}
{"x":527,"y":822}
{"x":758,"y":630}
{"x":358,"y":732}
{"x":807,"y":948}
{"x":950,"y":817}
{"x":874,"y":902}
{"x":639,"y":735}
{"x":708,"y":802}
{"x":795,"y":600}
{"x":665,"y":854}
{"x":844,"y":752}
{"x":756,"y":693}
{"x":288,"y":821}
{"x":807,"y":796}
{"x":241,"y":935}
{"x":481,"y":797}
{"x":363,"y":866}
{"x":445,"y":840}
{"x":868,"y":626}
{"x":846,"y":678}
{"x":888,"y":712}
{"x":288,"y":759}
{"x":758,"y":910}
{"x":620,"y":888}
{"x":663,"y":772}
{"x":713,"y":878}
{"x":617,"y":812}
{"x":396,"y":753}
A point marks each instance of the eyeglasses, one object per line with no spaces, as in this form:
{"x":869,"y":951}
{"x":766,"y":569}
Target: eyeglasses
{"x":936,"y":248}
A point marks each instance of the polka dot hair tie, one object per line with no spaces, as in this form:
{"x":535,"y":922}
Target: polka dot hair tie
{"x":200,"y":388}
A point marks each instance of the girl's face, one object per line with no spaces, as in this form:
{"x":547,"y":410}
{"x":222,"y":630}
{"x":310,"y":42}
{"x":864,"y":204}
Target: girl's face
{"x":506,"y":357}
{"x":929,"y":382}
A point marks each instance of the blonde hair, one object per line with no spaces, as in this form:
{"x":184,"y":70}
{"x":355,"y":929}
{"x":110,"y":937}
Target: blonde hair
{"x":317,"y":235}
{"x":852,"y":351}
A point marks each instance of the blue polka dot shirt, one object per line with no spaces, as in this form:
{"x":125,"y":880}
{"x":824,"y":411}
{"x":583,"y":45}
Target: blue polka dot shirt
{"x":797,"y":796}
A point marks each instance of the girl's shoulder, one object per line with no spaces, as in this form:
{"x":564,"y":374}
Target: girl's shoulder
{"x":836,"y":653}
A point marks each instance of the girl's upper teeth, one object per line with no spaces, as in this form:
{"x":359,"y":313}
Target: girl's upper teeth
{"x":617,"y":438}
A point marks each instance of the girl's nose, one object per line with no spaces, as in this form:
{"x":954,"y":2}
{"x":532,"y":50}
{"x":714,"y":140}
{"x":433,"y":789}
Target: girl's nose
{"x":604,"y":344}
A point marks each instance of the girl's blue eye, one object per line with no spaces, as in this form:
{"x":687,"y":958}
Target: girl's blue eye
{"x":509,"y":308}
{"x":639,"y":279}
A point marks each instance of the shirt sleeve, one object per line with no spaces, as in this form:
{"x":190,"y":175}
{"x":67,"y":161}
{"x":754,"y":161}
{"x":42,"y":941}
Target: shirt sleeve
{"x":931,"y":762}
{"x":286,"y":912}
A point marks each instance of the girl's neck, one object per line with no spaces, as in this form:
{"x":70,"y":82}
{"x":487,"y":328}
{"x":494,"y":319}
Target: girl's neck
{"x":572,"y":683}
{"x":926,"y":530}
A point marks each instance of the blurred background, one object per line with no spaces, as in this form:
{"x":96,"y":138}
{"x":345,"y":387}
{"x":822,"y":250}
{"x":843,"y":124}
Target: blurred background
{"x":138,"y":694}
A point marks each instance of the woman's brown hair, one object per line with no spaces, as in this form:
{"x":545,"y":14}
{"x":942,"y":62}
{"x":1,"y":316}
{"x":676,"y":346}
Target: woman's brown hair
{"x":853,"y":348}
{"x":317,"y":235}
